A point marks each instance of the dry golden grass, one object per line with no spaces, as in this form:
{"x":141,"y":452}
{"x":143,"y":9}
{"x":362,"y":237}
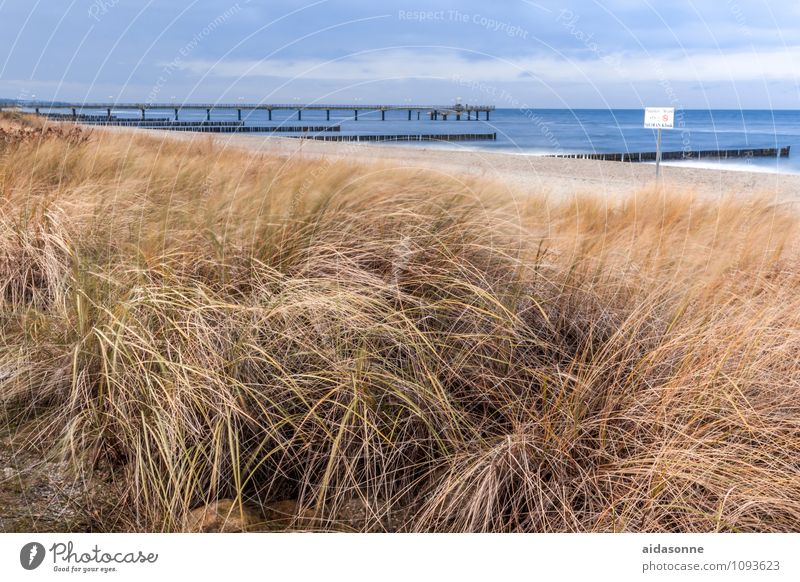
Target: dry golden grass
{"x":204,"y":324}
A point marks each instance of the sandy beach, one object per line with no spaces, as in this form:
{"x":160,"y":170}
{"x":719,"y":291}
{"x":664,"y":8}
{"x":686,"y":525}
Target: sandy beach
{"x":526,"y":173}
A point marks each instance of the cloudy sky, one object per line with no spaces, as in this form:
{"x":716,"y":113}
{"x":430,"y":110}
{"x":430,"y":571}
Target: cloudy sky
{"x":511,"y":53}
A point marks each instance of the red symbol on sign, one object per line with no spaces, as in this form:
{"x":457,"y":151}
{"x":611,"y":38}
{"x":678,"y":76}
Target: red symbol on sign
{"x":665,"y":117}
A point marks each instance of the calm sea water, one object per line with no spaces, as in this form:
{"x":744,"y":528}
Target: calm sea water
{"x":542,"y":131}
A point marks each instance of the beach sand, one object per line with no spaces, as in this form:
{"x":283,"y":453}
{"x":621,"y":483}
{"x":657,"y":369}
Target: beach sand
{"x":522,"y":173}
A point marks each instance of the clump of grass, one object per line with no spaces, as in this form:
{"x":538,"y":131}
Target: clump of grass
{"x":202,"y":323}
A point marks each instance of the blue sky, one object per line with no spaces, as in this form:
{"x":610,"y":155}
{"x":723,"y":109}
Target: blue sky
{"x":511,"y":53}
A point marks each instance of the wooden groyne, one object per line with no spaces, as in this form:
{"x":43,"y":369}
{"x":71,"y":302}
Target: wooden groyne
{"x":247,"y":128}
{"x":202,"y":126}
{"x":405,"y":137}
{"x":85,"y":118}
{"x":167,"y":123}
{"x":683,"y":155}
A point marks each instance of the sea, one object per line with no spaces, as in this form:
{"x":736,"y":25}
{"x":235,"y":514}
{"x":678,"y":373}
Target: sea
{"x":533,"y":132}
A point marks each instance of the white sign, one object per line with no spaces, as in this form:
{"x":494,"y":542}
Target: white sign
{"x":659,"y":117}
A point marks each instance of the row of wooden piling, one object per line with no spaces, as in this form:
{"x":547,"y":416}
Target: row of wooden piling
{"x":682,"y":155}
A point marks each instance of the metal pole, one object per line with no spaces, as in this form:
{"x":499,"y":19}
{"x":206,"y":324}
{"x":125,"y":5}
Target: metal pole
{"x":658,"y":156}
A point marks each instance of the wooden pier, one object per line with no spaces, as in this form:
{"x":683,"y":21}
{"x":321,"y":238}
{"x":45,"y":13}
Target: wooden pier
{"x":683,"y":155}
{"x":457,"y":111}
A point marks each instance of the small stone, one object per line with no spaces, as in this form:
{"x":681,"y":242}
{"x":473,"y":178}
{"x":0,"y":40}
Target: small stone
{"x":223,"y":516}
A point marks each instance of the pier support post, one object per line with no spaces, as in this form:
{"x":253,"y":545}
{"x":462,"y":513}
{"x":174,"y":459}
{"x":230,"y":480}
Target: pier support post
{"x":239,"y":112}
{"x":458,"y":117}
{"x":208,"y":115}
{"x":176,"y":114}
{"x":108,"y":111}
{"x":299,"y":115}
{"x":355,"y":117}
{"x":74,"y":112}
{"x":409,"y":115}
{"x":419,"y":113}
{"x":142,"y":110}
{"x":487,"y":115}
{"x":269,"y":112}
{"x":383,"y":115}
{"x":327,"y":115}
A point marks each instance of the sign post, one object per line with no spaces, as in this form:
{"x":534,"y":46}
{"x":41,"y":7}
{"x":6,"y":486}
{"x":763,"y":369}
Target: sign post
{"x":659,"y":118}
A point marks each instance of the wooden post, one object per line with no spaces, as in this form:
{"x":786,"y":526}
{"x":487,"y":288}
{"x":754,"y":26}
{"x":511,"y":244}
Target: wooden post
{"x":355,"y":111}
{"x":383,"y":115}
{"x":239,"y":111}
{"x":409,"y":115}
{"x":176,"y":114}
{"x":208,"y":115}
{"x":658,"y":156}
{"x":142,"y":113}
{"x":269,"y":111}
{"x":487,"y":115}
{"x":299,"y":115}
{"x":108,"y":111}
{"x":327,"y":115}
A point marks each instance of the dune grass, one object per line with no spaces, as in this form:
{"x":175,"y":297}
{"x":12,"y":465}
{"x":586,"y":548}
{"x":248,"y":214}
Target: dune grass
{"x":194,"y":323}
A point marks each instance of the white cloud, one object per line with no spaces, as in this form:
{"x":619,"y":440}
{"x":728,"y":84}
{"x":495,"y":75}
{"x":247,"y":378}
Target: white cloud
{"x":741,"y":65}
